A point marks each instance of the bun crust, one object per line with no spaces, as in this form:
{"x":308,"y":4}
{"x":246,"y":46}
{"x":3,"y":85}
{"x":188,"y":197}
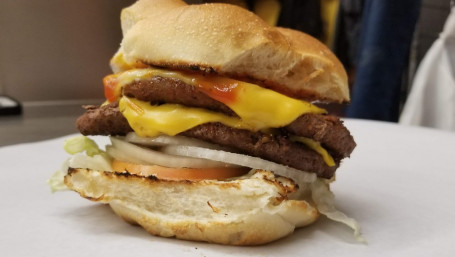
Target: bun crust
{"x":232,"y":41}
{"x":144,"y":8}
{"x":246,"y":211}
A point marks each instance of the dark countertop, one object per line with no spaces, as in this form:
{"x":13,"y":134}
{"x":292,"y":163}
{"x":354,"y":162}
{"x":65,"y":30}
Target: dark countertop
{"x":41,"y":121}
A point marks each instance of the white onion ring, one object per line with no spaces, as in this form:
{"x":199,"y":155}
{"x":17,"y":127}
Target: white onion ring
{"x":125,"y":151}
{"x":242,"y":160}
{"x":121,"y":155}
{"x":163,"y":140}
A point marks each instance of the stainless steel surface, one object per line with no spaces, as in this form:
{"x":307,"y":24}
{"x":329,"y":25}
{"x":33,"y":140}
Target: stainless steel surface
{"x":41,"y":121}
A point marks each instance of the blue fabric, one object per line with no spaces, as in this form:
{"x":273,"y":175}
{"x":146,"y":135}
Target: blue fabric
{"x":385,"y":39}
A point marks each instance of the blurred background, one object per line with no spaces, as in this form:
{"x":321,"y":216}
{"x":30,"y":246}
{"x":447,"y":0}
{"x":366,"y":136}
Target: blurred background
{"x":57,"y":52}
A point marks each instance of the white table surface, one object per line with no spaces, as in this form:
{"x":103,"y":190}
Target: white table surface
{"x":399,"y":184}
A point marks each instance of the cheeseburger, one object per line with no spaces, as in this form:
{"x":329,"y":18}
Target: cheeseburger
{"x":214,"y":135}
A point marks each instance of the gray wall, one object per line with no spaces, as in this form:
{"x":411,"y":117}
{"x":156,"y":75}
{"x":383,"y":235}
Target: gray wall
{"x":56,"y":49}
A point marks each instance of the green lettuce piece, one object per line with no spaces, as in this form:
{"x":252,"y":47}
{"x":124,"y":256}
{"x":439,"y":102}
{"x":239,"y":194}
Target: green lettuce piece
{"x":55,"y":182}
{"x":94,"y":158}
{"x":81,"y":144}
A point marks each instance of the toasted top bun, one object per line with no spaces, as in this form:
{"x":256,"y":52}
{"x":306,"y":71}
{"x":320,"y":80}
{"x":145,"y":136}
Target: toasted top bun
{"x":247,"y":211}
{"x":234,"y":42}
{"x":144,"y":8}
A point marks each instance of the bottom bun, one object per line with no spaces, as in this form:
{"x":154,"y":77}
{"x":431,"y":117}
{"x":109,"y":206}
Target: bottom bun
{"x":250,"y":210}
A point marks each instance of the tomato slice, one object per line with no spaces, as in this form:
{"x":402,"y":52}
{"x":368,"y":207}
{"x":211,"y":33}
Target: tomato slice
{"x":110,"y":85}
{"x":179,"y":173}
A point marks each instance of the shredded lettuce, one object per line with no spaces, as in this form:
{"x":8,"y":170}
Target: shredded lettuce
{"x":325,"y":203}
{"x":80,"y":144}
{"x":94,"y":158}
{"x":55,"y":182}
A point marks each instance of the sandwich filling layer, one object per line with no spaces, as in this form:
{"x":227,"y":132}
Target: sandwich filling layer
{"x":245,"y":117}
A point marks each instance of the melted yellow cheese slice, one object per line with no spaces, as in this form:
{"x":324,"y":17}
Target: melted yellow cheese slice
{"x":316,"y":146}
{"x":265,"y":108}
{"x":170,"y":119}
